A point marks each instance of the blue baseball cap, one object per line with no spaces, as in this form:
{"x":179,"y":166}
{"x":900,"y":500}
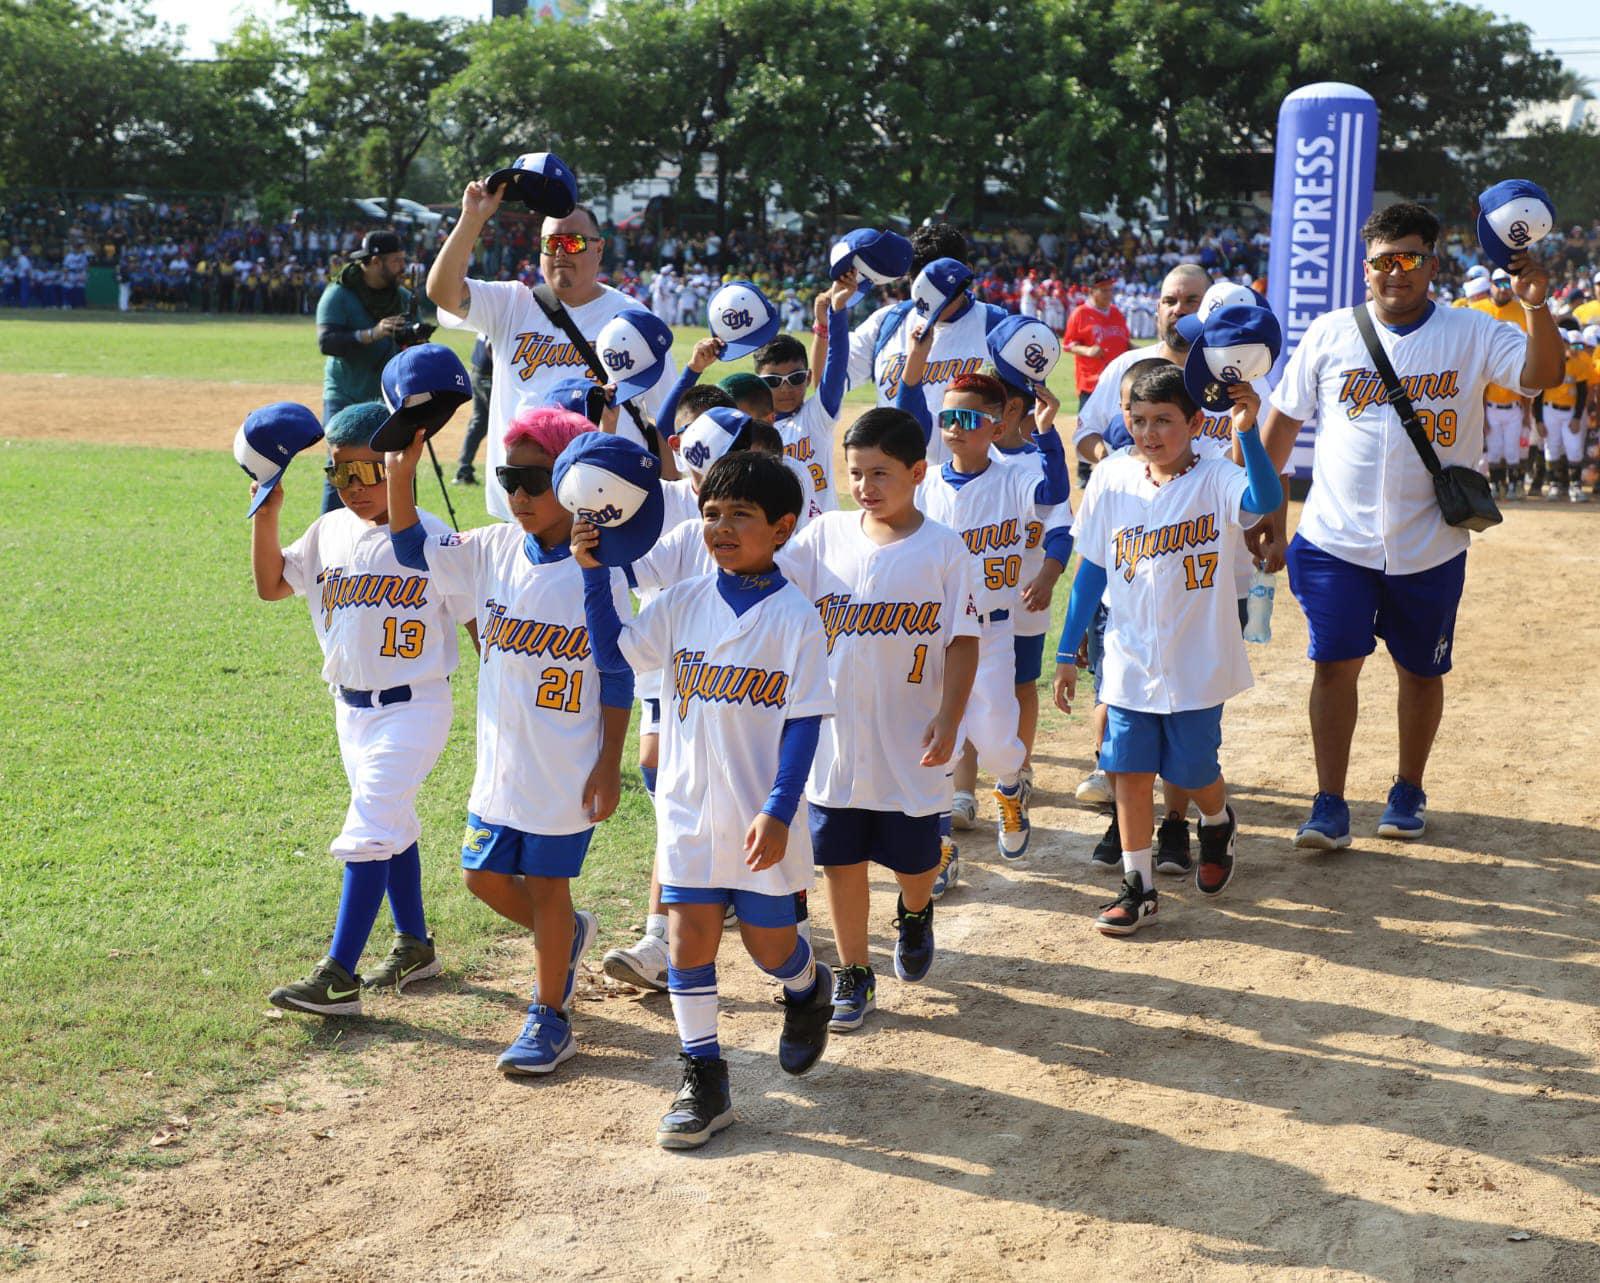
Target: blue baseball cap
{"x":633,"y":346}
{"x":580,"y":396}
{"x":712,"y":435}
{"x":422,"y":386}
{"x":937,"y":285}
{"x":1237,"y":344}
{"x":266,"y":441}
{"x":1024,"y":351}
{"x":541,"y":181}
{"x":878,"y":256}
{"x":616,"y":485}
{"x":742,"y":317}
{"x":1227,"y":294}
{"x":1513,"y":216}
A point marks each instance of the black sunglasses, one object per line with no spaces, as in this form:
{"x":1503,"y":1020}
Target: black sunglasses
{"x":795,"y":379}
{"x":533,"y":481}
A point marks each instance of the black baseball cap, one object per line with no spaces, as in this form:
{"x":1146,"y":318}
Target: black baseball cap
{"x":377,"y":244}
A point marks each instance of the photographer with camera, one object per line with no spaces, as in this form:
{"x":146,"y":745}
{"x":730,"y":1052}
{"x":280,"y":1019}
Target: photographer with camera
{"x":363,"y":319}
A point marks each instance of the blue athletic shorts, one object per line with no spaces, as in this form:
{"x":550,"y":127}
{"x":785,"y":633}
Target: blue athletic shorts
{"x":1180,"y":747}
{"x":1030,"y":658}
{"x":1348,"y":607}
{"x":751,"y":906}
{"x":852,"y":834}
{"x":499,"y":848}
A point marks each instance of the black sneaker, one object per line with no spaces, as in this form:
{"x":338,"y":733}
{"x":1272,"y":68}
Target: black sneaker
{"x":913,"y":951}
{"x":702,"y":1107}
{"x":805,"y":1026}
{"x":1215,"y":869}
{"x":1172,"y":845}
{"x":1128,"y":912}
{"x":1108,"y":850}
{"x":466,"y":475}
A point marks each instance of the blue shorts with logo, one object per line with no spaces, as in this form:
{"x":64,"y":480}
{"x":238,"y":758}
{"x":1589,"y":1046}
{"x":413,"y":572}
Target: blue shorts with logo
{"x":499,"y":848}
{"x":1347,"y":607}
{"x":1030,"y":658}
{"x":752,"y":906}
{"x":853,"y":834}
{"x":1182,"y":748}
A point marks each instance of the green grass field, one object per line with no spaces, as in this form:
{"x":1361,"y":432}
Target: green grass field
{"x":170,"y":776}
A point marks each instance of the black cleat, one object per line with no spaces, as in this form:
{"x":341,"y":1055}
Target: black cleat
{"x":805,"y":1026}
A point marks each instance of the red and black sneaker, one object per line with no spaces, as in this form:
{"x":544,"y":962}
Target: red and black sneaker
{"x":1215,"y":868}
{"x":1129,"y":911}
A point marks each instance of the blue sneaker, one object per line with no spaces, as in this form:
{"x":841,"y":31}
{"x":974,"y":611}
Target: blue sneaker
{"x":913,"y":951}
{"x":545,"y":1041}
{"x":949,"y":867}
{"x":855,"y":992}
{"x":1013,"y":830}
{"x":585,"y":926}
{"x":1328,"y":829}
{"x":1405,"y":816}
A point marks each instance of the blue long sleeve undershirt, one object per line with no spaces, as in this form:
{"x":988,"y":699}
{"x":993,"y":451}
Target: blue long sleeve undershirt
{"x":667,"y":420}
{"x":836,"y":365}
{"x":796,"y":747}
{"x":1088,"y":587}
{"x":410,"y":546}
{"x":1265,"y":491}
{"x":1058,"y":545}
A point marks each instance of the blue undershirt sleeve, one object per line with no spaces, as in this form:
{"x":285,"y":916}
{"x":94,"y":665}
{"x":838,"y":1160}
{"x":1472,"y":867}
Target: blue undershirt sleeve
{"x":410,"y":546}
{"x":667,"y":416}
{"x":830,"y":391}
{"x":1056,"y":485}
{"x":1058,"y":544}
{"x":1088,"y":587}
{"x":796,"y":748}
{"x":1265,"y":491}
{"x":605,"y":628}
{"x":909,"y":397}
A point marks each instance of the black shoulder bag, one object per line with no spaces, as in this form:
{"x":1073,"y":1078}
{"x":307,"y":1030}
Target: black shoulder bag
{"x":552,"y":307}
{"x":1463,"y":493}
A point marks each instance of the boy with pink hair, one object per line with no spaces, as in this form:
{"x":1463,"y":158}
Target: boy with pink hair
{"x":551,"y":723}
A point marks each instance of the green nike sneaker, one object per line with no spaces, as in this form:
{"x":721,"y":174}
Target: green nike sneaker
{"x":410,"y":959}
{"x":329,"y":990}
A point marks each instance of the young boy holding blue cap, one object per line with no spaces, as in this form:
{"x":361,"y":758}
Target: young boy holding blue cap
{"x":1159,"y":527}
{"x":388,"y":638}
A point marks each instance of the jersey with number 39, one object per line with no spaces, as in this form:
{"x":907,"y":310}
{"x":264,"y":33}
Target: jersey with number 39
{"x":1172,"y":640}
{"x":900,"y":606}
{"x":379,"y":623}
{"x":539,"y":727}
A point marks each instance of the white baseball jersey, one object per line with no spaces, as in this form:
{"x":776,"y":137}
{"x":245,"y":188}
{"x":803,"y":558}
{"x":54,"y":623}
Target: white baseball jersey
{"x":379,"y":623}
{"x":808,"y":441}
{"x":1025,"y":622}
{"x":991,"y":512}
{"x":1172,"y":639}
{"x":900,"y":606}
{"x":680,"y":505}
{"x":735,"y":679}
{"x":1372,"y":502}
{"x":539,"y":728}
{"x":532,"y":354}
{"x":960,"y":347}
{"x":681,"y":554}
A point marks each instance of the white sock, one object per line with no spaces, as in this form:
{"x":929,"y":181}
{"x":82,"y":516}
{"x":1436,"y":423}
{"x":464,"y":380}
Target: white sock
{"x":656,"y":925}
{"x":1221,"y":817}
{"x":1008,"y":782}
{"x":1142,"y":863}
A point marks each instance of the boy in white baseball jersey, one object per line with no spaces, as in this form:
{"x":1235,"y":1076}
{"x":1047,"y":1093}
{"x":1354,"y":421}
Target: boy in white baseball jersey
{"x":749,"y":689}
{"x":904,"y":637}
{"x":388,"y":638}
{"x":1160,"y":527}
{"x":551,"y":719}
{"x":989,"y":503}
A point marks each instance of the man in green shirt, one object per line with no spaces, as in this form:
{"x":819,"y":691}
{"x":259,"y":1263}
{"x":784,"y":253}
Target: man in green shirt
{"x":358,"y":317}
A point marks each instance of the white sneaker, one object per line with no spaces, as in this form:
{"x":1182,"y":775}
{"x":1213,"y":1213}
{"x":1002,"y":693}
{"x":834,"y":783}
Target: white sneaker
{"x":1026,"y":776}
{"x":1577,"y":494}
{"x":643,"y":965}
{"x":963,"y":811}
{"x":1552,"y":491}
{"x":1095,"y":789}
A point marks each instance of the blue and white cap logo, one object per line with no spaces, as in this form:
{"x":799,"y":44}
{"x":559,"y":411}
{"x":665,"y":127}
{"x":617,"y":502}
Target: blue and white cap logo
{"x":614,"y":484}
{"x":742,"y":317}
{"x":1237,"y":344}
{"x":1227,"y":294}
{"x":711,"y":436}
{"x":937,"y":285}
{"x":634,"y":346}
{"x":1024,"y":351}
{"x":1512,"y":216}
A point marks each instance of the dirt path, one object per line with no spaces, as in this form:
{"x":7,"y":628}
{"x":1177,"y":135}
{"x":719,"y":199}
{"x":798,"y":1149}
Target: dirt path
{"x":1379,"y":1064}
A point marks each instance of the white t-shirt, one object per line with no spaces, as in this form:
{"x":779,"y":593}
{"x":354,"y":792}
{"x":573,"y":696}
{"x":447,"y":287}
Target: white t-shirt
{"x":960,"y":347}
{"x":539,"y":725}
{"x":1172,"y":639}
{"x":902,"y":604}
{"x":733,"y":681}
{"x":532,"y":354}
{"x":380,"y":624}
{"x":991,"y":512}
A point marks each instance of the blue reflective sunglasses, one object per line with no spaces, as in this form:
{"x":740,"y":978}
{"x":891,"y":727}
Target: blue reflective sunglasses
{"x":964,"y":420}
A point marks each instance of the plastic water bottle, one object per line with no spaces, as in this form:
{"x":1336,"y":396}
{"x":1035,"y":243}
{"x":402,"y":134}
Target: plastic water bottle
{"x":1258,"y":607}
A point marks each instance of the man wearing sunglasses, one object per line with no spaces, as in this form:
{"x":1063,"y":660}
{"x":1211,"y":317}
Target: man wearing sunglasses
{"x":1373,"y":556}
{"x":532,"y":353}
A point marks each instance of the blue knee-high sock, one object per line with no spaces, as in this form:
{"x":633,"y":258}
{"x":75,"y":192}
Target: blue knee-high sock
{"x":405,"y":893}
{"x":694,"y":1006}
{"x":799,"y":973}
{"x":364,"y":884}
{"x":648,"y":775}
{"x":944,"y":825}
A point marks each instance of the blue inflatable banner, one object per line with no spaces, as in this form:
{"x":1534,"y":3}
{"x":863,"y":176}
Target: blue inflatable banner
{"x":1327,"y":156}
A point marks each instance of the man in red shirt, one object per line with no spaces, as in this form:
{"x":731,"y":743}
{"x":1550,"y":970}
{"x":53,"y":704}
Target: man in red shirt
{"x":1096,"y":332}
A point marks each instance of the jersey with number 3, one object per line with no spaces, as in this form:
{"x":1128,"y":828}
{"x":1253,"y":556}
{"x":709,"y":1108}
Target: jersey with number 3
{"x":1172,"y":639}
{"x":899,"y":606}
{"x":992,"y":512}
{"x":539,"y":727}
{"x":380,"y":624}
